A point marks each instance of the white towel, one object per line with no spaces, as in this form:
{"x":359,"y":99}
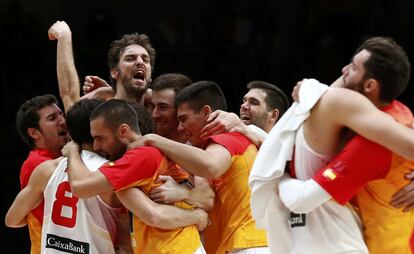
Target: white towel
{"x":269,"y":166}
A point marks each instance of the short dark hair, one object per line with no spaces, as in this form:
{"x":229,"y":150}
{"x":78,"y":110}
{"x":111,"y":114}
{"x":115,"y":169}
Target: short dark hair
{"x":116,"y":112}
{"x":175,"y":81}
{"x":202,"y":93}
{"x":145,"y":121}
{"x":388,"y":64}
{"x":118,"y":47}
{"x":77,"y":120}
{"x":28,"y":115}
{"x":275,"y":97}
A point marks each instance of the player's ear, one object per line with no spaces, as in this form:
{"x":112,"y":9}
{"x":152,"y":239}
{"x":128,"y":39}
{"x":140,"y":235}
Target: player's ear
{"x":34,"y":133}
{"x":206,"y":110}
{"x":114,"y":73}
{"x":123,"y":130}
{"x":274,"y":115}
{"x":370,"y":85}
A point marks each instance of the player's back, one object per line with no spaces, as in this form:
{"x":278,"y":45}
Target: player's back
{"x":386,"y":228}
{"x":232,"y":225}
{"x":77,"y":225}
{"x":330,"y":228}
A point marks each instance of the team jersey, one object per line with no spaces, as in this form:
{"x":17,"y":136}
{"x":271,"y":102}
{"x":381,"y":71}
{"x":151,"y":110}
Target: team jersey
{"x":232,"y":226}
{"x":77,"y":225}
{"x":330,"y":228}
{"x":35,"y":217}
{"x":374,"y":174}
{"x":140,"y":167}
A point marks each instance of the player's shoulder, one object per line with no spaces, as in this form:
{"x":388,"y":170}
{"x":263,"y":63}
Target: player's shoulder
{"x":340,"y":101}
{"x":337,"y":94}
{"x":47,"y":167}
{"x":145,"y":151}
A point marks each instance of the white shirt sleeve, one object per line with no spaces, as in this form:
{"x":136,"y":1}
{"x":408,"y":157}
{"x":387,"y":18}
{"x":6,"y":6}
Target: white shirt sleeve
{"x":301,"y":196}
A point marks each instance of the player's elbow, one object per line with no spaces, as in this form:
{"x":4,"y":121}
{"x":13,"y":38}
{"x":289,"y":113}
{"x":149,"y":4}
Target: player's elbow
{"x":211,"y":170}
{"x":13,"y":222}
{"x":292,"y":202}
{"x":8,"y":221}
{"x":410,"y":154}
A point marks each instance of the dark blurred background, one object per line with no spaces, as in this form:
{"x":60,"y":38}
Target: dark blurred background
{"x":230,"y":42}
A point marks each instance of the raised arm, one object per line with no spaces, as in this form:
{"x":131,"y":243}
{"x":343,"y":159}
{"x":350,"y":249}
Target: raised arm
{"x":160,"y":215}
{"x":68,"y":80}
{"x":30,"y":196}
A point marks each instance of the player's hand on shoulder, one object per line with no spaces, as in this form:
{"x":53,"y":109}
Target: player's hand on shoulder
{"x":219,"y":122}
{"x":141,"y":141}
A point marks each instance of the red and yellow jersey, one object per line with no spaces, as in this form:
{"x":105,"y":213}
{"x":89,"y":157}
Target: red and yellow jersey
{"x":373,"y":174}
{"x":140,"y":167}
{"x":35,"y":217}
{"x":232,"y":225}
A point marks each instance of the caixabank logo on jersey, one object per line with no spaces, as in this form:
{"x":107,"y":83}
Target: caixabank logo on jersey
{"x":297,"y":220}
{"x":66,"y":244}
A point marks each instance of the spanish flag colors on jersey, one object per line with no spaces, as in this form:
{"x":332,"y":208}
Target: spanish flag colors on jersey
{"x":232,"y":225}
{"x":388,"y":229}
{"x":372,"y":174}
{"x":140,"y":167}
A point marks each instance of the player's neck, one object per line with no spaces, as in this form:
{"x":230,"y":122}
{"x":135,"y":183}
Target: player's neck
{"x":122,"y":94}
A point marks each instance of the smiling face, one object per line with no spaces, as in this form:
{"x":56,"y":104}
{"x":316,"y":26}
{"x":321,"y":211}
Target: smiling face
{"x":354,"y":73}
{"x":133,"y":72}
{"x":254,"y":108}
{"x":191,"y":123}
{"x":105,"y":142}
{"x":164,"y":113}
{"x":52,"y":133}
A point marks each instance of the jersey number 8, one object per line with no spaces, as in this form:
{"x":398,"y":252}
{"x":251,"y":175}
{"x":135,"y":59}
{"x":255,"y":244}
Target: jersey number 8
{"x":63,"y":200}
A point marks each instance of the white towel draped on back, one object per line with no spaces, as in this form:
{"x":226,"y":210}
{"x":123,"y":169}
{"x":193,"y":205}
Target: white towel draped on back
{"x":269,"y":166}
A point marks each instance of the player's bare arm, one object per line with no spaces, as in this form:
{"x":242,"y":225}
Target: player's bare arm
{"x":83,"y":183}
{"x":199,"y":163}
{"x":30,"y":196}
{"x":69,"y":85}
{"x":201,"y":195}
{"x":353,"y":110}
{"x":160,"y":215}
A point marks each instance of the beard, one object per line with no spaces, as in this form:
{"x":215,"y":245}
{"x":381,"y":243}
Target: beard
{"x":117,"y":151}
{"x":131,"y":89}
{"x":356,"y":86}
